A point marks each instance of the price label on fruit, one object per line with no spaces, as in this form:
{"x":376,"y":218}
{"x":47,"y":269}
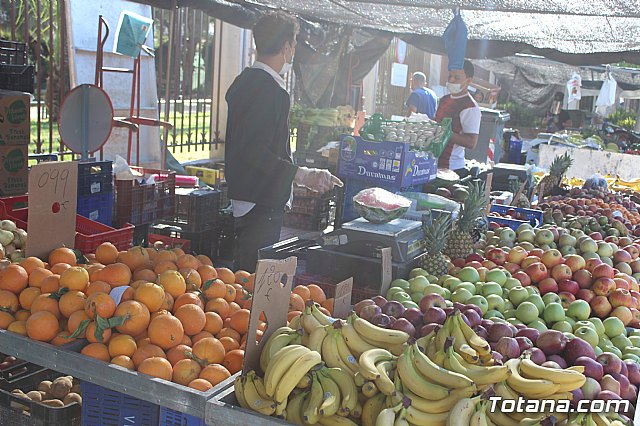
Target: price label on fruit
{"x":53,"y":189}
{"x":342,"y":301}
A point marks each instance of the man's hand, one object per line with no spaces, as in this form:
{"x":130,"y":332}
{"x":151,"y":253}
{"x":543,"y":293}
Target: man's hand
{"x":318,"y":180}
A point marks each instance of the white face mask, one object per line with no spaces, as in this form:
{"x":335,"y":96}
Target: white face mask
{"x":287,"y":66}
{"x":454,"y":87}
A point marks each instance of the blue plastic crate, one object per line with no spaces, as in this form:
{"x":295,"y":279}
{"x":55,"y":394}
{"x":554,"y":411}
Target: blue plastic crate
{"x":95,"y":177}
{"x":98,"y":208}
{"x":176,"y":418}
{"x":104,"y":407}
{"x":534,"y":217}
{"x":511,"y":223}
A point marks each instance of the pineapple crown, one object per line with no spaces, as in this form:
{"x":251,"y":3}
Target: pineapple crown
{"x":560,"y":164}
{"x":436,"y":233}
{"x":473,"y":207}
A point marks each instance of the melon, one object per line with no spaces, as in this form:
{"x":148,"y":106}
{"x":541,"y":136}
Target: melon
{"x":378,"y":205}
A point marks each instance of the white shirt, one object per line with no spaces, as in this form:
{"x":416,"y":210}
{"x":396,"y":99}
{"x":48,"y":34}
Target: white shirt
{"x":470,"y":121}
{"x":241,"y":208}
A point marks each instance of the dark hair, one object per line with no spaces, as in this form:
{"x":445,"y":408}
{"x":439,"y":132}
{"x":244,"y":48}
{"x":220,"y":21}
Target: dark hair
{"x":469,"y":69}
{"x":273,"y":30}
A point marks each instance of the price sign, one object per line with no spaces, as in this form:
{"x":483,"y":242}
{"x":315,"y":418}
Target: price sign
{"x":271,"y":295}
{"x":53,"y":189}
{"x":342,"y":301}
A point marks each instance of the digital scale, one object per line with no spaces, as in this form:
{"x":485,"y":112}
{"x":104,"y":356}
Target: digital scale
{"x":363,"y":238}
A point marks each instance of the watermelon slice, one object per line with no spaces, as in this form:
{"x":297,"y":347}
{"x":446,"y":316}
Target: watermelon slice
{"x":378,"y":205}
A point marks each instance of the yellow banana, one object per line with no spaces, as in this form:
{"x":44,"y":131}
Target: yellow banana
{"x":460,"y":342}
{"x":319,"y":316}
{"x":401,"y":418}
{"x":309,"y":322}
{"x":317,"y":336}
{"x":424,"y":340}
{"x":387,"y":416}
{"x":417,"y":417}
{"x":359,"y":379}
{"x":298,"y":370}
{"x":311,"y":406}
{"x":282,"y":337}
{"x":503,"y":390}
{"x":478,"y":374}
{"x":281,"y":408}
{"x":383,"y":381}
{"x":378,"y":336}
{"x":468,"y":354}
{"x":295,"y":322}
{"x":460,"y":412}
{"x":294,"y":408}
{"x":238,"y":387}
{"x":370,"y":389}
{"x":255,"y":400}
{"x":330,"y":353}
{"x":305,"y":382}
{"x":331,"y":392}
{"x":336,"y":421}
{"x":437,"y":374}
{"x":347,"y":357}
{"x":531,"y":388}
{"x":576,"y":368}
{"x":417,"y":384}
{"x":355,"y":342}
{"x":531,"y":370}
{"x":371,"y":408}
{"x":499,"y":418}
{"x":443,"y":334}
{"x":440,"y":406}
{"x":356,"y":413}
{"x":475,"y":341}
{"x":348,"y":389}
{"x":280,"y":364}
{"x":369,"y":359}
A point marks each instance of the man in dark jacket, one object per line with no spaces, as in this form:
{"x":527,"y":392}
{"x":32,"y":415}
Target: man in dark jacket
{"x":258,"y":166}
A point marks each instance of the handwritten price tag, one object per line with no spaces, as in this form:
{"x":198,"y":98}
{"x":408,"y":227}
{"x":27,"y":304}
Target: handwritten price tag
{"x":53,"y":189}
{"x":342,"y":302}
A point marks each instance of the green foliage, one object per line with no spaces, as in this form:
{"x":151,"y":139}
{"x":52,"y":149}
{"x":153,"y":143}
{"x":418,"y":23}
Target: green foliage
{"x":623,"y":118}
{"x":520,"y":116}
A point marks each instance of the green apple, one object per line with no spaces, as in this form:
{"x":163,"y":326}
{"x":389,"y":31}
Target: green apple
{"x":562,"y":326}
{"x":509,"y":313}
{"x":551,"y":298}
{"x":461,"y":295}
{"x":538,"y":324}
{"x":604,"y":249}
{"x":518,"y":295}
{"x":432,"y":278}
{"x":632,"y":357}
{"x":392,"y":291}
{"x":591,"y":255}
{"x":569,"y":336}
{"x":403,"y":284}
{"x":636,"y":332}
{"x":613,"y":326}
{"x":579,"y":310}
{"x":492,"y":313}
{"x":616,"y":351}
{"x":598,"y":351}
{"x":514,"y":321}
{"x":553,"y":313}
{"x":447,"y":294}
{"x":441,"y":279}
{"x":410,"y":304}
{"x":479,"y":301}
{"x":491,"y":288}
{"x":401,"y":296}
{"x":527,"y":312}
{"x":588,"y":245}
{"x":469,"y":274}
{"x":597,"y":323}
{"x":497,"y":275}
{"x":567,"y":250}
{"x":632,"y":351}
{"x":451,"y":283}
{"x":621,"y":342}
{"x":604,"y":342}
{"x":497,"y":302}
{"x":478,"y":287}
{"x":417,"y":297}
{"x":537,"y":300}
{"x":418,"y":271}
{"x":635,"y":341}
{"x":588,"y":334}
{"x":434,"y":289}
{"x":470,"y":287}
{"x":510,"y":283}
{"x":589,"y":324}
{"x":418,"y":284}
{"x":532,"y":290}
{"x":527,"y":235}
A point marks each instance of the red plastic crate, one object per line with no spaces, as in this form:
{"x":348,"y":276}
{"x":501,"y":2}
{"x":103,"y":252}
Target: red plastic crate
{"x":329,"y":288}
{"x":144,"y":204}
{"x":171,"y":241}
{"x":89,"y":234}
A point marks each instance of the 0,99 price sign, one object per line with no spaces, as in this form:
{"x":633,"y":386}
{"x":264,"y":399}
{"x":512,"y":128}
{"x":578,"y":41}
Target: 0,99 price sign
{"x":53,"y":189}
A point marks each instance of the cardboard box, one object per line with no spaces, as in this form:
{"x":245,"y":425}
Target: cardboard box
{"x":208,"y":176}
{"x":14,"y":170}
{"x":15,"y":124}
{"x":391,"y":164}
{"x":485,"y":93}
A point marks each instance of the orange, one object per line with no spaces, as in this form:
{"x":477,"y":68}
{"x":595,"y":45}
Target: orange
{"x":250,"y":283}
{"x":229,"y":332}
{"x":187,"y":261}
{"x":164,"y":265}
{"x":145,"y":274}
{"x":147,"y":351}
{"x":200,"y":336}
{"x":59,"y":268}
{"x":229,"y":343}
{"x":152,"y":253}
{"x":152,"y":295}
{"x":75,"y":319}
{"x":219,"y":306}
{"x":185,"y":371}
{"x":42,"y":326}
{"x":241,"y":294}
{"x":45,"y":303}
{"x":74,"y":278}
{"x":123,"y":361}
{"x":156,"y":367}
{"x":246,"y":304}
{"x":226,"y":275}
{"x":328,"y":305}
{"x":22,"y":315}
{"x":71,"y":302}
{"x":62,"y":338}
{"x":316,"y":293}
{"x":166,"y":331}
{"x":94,"y":272}
{"x":173,"y":283}
{"x":122,"y":344}
{"x":106,"y":253}
{"x":188,"y":298}
{"x":214,"y":374}
{"x":18,"y":327}
{"x":240,"y":321}
{"x":13,"y":278}
{"x":10,"y":302}
{"x":143,"y":341}
{"x":37,"y":275}
{"x":296,"y":303}
{"x":178,"y":251}
{"x":233,"y":360}
{"x":6,"y":319}
{"x":26,"y":297}
{"x":134,"y":257}
{"x":116,"y":274}
{"x":158,"y":313}
{"x":137,"y":317}
{"x":178,"y":353}
{"x":192,"y":318}
{"x":214,"y":289}
{"x":186,"y":340}
{"x":213,"y":323}
{"x":201,"y":385}
{"x":168,"y":302}
{"x":100,"y":304}
{"x":204,"y":260}
{"x":166,"y":256}
{"x":293,"y":314}
{"x":62,"y":255}
{"x":192,"y":278}
{"x":302,"y":291}
{"x":50,"y":284}
{"x":97,"y":351}
{"x":31,"y":263}
{"x":92,"y":334}
{"x":98,"y":287}
{"x":230,"y":294}
{"x":207,"y":272}
{"x":241,"y":277}
{"x":324,"y":310}
{"x":209,"y":350}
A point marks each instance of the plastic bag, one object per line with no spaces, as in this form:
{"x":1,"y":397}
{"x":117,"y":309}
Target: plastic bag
{"x":455,"y":41}
{"x":607,"y":96}
{"x":596,"y":181}
{"x":573,"y":87}
{"x":122,"y":171}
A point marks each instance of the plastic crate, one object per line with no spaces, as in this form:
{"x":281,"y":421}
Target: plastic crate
{"x":311,"y":159}
{"x":18,"y":78}
{"x":201,"y":242}
{"x":325,"y":283}
{"x":306,"y":222}
{"x":95,"y":178}
{"x":16,"y":411}
{"x":13,"y":53}
{"x":142,"y":204}
{"x":169,"y":241}
{"x":533,"y":217}
{"x":196,"y":209}
{"x":176,"y":418}
{"x":98,"y":207}
{"x":511,"y":223}
{"x":104,"y":407}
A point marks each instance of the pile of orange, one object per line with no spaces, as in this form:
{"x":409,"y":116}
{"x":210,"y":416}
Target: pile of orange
{"x":169,"y":314}
{"x":301,"y":294}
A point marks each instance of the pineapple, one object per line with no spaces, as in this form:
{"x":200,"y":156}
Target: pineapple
{"x":435,"y":236}
{"x":558,"y":168}
{"x":460,"y":240}
{"x":522,"y":201}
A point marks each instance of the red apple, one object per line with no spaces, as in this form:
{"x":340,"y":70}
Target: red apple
{"x":552,"y":258}
{"x":566,"y":298}
{"x":633,"y":250}
{"x":603,"y":271}
{"x":585,"y":294}
{"x":622,"y":256}
{"x":635,"y":318}
{"x":537,"y":272}
{"x":633,"y":372}
{"x":603,"y":286}
{"x":528,"y":261}
{"x":600,"y":306}
{"x":623,"y":314}
{"x":537,"y":252}
{"x":517,"y":255}
{"x":635,"y":266}
{"x":569,"y":286}
{"x":622,"y":284}
{"x":548,"y":285}
{"x":459,"y":262}
{"x":596,"y":236}
{"x":524,"y":279}
{"x":591,"y":264}
{"x":610,"y":363}
{"x":497,"y":256}
{"x":511,"y":267}
{"x":473,"y":257}
{"x":575,"y":348}
{"x":575,"y":262}
{"x":475,"y":264}
{"x":489,"y":264}
{"x":612,"y":239}
{"x":561,"y":272}
{"x":583,"y":278}
{"x":620,"y":297}
{"x":635,"y":294}
{"x":432,"y":300}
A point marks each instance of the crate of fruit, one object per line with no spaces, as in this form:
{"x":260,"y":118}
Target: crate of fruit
{"x":531,"y":216}
{"x":146,"y":201}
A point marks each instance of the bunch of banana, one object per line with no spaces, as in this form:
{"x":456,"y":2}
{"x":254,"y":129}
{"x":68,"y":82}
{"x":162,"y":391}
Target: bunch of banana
{"x":394,"y":415}
{"x":479,"y":374}
{"x":285,"y":370}
{"x":311,"y":319}
{"x":533,"y":381}
{"x":371,"y":336}
{"x":251,"y":394}
{"x":284,"y":336}
{"x":473,"y":348}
